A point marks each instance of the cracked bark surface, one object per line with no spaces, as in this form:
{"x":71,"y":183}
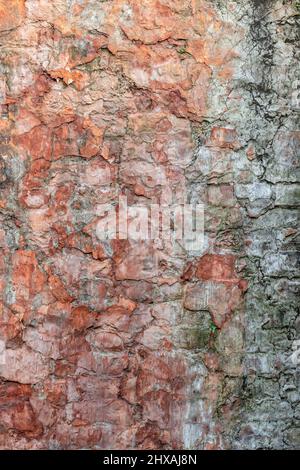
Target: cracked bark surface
{"x":139,"y":345}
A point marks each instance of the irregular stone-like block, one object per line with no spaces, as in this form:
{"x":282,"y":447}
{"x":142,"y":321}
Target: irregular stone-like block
{"x":11,"y":14}
{"x":217,"y":268}
{"x":24,"y":366}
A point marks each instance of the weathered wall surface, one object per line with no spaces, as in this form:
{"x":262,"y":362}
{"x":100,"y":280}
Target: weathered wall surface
{"x":123,"y":344}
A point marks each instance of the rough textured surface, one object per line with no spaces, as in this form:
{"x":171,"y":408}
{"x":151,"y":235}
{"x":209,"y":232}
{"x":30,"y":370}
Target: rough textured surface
{"x":127,"y":344}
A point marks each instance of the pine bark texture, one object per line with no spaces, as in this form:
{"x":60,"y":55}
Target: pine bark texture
{"x":123,"y":344}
